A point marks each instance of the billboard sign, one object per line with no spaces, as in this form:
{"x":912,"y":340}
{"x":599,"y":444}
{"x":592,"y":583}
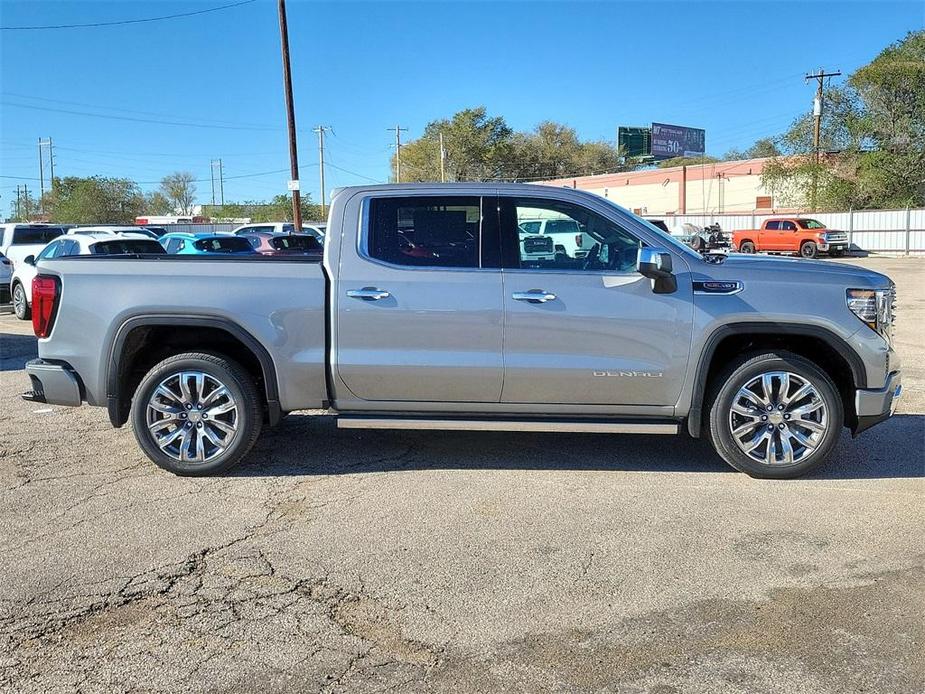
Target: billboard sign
{"x":635,"y":142}
{"x":677,"y":141}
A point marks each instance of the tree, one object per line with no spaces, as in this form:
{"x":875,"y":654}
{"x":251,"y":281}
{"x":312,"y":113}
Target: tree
{"x":24,"y":208}
{"x":763,"y":148}
{"x":180,"y":190}
{"x":156,"y":203}
{"x":875,"y":128}
{"x":94,"y":200}
{"x":278,"y":209}
{"x":686,"y":161}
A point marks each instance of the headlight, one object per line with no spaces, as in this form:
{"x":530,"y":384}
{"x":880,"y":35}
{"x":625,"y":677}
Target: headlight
{"x":874,"y":307}
{"x":824,"y":236}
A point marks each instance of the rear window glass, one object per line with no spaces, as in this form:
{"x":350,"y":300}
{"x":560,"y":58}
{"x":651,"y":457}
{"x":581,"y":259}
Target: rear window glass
{"x":27,"y":236}
{"x":230,"y":244}
{"x":295,"y":243}
{"x":426,"y":231}
{"x":122,"y":247}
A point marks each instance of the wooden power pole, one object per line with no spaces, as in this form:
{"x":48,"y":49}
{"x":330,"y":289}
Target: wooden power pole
{"x":290,"y":118}
{"x":398,"y":131}
{"x":817,"y":125}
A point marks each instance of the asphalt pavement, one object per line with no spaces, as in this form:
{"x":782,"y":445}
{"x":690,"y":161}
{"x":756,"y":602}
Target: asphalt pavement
{"x":368,"y":561}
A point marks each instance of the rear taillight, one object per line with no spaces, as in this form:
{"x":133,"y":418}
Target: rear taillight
{"x":578,"y":240}
{"x":44,"y":304}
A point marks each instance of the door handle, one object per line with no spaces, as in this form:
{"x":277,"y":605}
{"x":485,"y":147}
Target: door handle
{"x":368,"y":294}
{"x":534,"y":296}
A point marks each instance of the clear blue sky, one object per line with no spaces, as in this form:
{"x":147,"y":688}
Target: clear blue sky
{"x":733,"y":68}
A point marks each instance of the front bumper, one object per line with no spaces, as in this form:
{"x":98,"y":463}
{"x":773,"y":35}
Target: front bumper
{"x":833,"y":246}
{"x":54,"y":383}
{"x":875,"y":406}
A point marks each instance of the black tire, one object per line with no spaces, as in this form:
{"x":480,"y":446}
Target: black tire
{"x":248,"y":414}
{"x":736,"y":376}
{"x":20,"y":306}
{"x":809,"y":250}
{"x":747,"y":247}
{"x":697,"y":244}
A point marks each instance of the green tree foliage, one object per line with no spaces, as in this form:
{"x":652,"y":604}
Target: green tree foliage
{"x":279,"y":209}
{"x":480,"y":147}
{"x":763,"y":147}
{"x":180,"y":190}
{"x":156,"y":203}
{"x":94,"y":200}
{"x":873,"y":129}
{"x":24,"y":207}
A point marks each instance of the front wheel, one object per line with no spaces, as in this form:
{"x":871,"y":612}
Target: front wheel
{"x":775,"y":415}
{"x":809,"y":250}
{"x":20,"y":305}
{"x":196,"y":413}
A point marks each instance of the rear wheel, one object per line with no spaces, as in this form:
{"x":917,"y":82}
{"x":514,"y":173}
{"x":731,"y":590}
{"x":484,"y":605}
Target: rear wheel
{"x":775,"y":415}
{"x":196,"y":413}
{"x":20,"y":305}
{"x":809,"y":249}
{"x":747,"y":247}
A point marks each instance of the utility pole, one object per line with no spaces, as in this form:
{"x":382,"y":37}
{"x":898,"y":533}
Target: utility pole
{"x":217,"y":164}
{"x":817,"y":123}
{"x":41,"y":175}
{"x":442,"y":160}
{"x":290,"y":117}
{"x":320,"y":130}
{"x":398,"y":131}
{"x":18,"y":202}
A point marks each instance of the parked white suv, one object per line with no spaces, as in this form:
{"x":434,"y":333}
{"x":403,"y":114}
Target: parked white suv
{"x":568,"y":238}
{"x":19,"y":240}
{"x":74,"y":244}
{"x":111,"y":231}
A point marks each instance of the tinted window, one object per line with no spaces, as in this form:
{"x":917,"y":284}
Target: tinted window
{"x":788,"y":226}
{"x":438,"y":231}
{"x":121,"y":247}
{"x":571,"y":237}
{"x":225,"y":244}
{"x":810,"y":224}
{"x":303,"y":244}
{"x":24,"y":236}
{"x":173,"y":245}
{"x":52,"y":250}
{"x":772,"y":226}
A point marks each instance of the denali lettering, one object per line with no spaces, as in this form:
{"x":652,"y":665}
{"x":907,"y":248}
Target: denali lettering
{"x":630,"y":374}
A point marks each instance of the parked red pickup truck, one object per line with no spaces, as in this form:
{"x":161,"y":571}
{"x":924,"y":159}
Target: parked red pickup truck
{"x":807,"y":237}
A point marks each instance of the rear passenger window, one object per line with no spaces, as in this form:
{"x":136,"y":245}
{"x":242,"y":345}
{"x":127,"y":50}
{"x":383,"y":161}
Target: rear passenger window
{"x":434,"y":231}
{"x":788,"y":226}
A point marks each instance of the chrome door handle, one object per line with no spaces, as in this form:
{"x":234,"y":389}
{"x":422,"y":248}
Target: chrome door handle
{"x":368,"y":294}
{"x":534,"y":296}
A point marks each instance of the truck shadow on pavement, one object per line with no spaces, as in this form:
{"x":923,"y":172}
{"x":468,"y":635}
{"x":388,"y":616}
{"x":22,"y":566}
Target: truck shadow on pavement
{"x":313,"y":445}
{"x":16,"y":350}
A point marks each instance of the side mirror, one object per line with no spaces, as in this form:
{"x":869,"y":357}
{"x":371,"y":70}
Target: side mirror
{"x":656,"y":264}
{"x":29,"y":260}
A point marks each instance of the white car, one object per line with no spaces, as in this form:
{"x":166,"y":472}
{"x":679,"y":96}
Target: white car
{"x":316,"y":230}
{"x":111,"y":231}
{"x":568,"y":238}
{"x":19,"y":240}
{"x":74,"y":244}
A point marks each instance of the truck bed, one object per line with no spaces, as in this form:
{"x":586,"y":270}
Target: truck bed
{"x":277,"y":301}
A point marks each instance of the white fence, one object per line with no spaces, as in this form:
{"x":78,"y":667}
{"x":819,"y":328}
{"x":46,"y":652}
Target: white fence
{"x":880,"y":231}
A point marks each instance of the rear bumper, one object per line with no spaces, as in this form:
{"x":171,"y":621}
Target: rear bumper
{"x":53,"y":382}
{"x":875,"y":406}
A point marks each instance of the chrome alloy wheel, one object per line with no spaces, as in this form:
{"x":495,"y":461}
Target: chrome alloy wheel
{"x":192,"y":416}
{"x":20,"y":305}
{"x":778,"y":418}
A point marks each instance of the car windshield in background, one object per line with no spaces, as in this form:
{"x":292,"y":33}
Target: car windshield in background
{"x":810,"y":224}
{"x":304,"y":244}
{"x":125,"y":247}
{"x":26,"y":236}
{"x":230,"y":244}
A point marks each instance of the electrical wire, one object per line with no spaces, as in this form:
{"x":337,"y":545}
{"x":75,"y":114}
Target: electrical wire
{"x":121,"y":22}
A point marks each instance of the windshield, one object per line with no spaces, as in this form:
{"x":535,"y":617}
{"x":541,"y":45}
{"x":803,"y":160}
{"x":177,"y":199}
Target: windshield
{"x":122,"y":247}
{"x":810,"y":224}
{"x":228,"y":244}
{"x":29,"y":236}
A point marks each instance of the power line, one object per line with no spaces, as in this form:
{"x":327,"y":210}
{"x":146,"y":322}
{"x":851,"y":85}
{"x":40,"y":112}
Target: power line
{"x":126,"y":21}
{"x":135,"y":120}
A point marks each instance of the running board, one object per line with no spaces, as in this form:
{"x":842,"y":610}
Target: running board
{"x":534,"y":425}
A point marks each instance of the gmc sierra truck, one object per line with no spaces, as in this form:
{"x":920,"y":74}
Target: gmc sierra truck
{"x":426,"y":312}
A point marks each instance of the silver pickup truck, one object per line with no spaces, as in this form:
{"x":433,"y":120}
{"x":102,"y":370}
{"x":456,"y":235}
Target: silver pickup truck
{"x":426,"y":313}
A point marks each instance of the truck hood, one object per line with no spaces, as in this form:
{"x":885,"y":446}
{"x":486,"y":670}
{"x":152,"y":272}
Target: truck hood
{"x":791,"y":269}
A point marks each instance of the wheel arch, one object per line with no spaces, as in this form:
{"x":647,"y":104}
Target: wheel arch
{"x":127,"y":354}
{"x":822,"y":346}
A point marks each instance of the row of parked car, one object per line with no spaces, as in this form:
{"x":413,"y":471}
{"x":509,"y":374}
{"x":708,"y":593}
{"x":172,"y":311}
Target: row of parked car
{"x":22,"y":246}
